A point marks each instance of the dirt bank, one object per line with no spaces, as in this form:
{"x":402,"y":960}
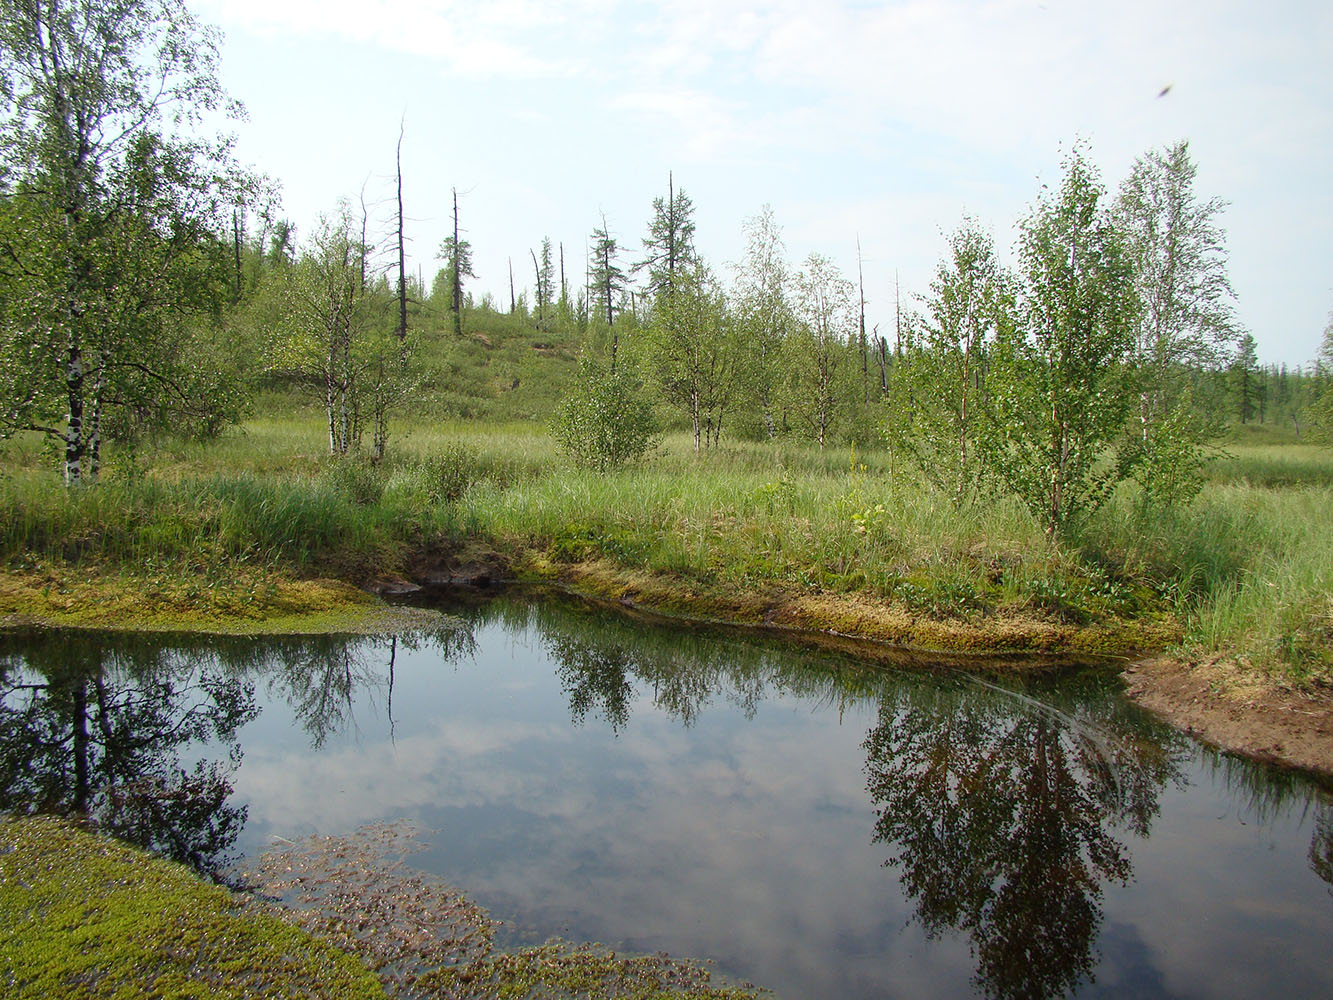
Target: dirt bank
{"x":1221,"y":703}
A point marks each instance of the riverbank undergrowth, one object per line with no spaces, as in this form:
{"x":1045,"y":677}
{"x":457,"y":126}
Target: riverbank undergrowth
{"x":1246,"y":569}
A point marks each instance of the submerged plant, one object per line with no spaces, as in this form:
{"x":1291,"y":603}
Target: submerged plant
{"x":425,"y":939}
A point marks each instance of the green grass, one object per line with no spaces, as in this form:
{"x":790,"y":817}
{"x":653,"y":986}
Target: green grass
{"x":1245,"y":568}
{"x":87,"y":917}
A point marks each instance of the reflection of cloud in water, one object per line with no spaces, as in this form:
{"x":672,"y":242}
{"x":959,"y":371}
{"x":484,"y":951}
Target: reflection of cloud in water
{"x":296,"y":790}
{"x":726,"y":813}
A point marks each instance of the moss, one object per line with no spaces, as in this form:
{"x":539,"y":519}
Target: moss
{"x":248,"y":602}
{"x":937,"y":627}
{"x":85,"y":916}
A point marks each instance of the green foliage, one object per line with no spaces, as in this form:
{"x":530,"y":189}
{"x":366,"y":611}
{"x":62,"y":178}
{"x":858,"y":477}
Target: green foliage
{"x":1063,"y":379}
{"x":942,"y":419}
{"x":1167,"y":460}
{"x":605,"y":423}
{"x":693,"y":353}
{"x":669,"y":246}
{"x":1322,"y":407}
{"x":332,"y":330}
{"x":606,"y":276}
{"x":764,"y":315}
{"x":817,"y":354}
{"x":112,"y":224}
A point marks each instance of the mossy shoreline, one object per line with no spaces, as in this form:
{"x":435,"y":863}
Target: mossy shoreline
{"x":66,"y":596}
{"x":86,"y":916}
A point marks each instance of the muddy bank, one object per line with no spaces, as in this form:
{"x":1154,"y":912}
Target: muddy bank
{"x":1220,"y":703}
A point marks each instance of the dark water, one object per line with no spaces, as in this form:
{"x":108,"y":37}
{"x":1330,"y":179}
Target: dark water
{"x":814,"y":822}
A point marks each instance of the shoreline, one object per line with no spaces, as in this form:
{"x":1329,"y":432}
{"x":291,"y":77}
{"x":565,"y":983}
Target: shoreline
{"x":1215,"y":700}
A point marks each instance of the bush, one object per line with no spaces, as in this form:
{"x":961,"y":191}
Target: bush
{"x":605,"y":423}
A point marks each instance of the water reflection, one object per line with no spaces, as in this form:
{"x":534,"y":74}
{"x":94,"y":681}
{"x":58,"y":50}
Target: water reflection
{"x":97,"y":727}
{"x":1004,"y":820}
{"x":766,"y":780}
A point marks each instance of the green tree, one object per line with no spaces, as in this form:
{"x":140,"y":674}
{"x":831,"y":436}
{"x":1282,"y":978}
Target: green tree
{"x":544,"y":272}
{"x":605,"y":422}
{"x":764,"y":311}
{"x":941,"y":377}
{"x":669,"y":246}
{"x":118,"y":216}
{"x":818,"y":351}
{"x":1321,"y":404}
{"x":693,"y":354}
{"x":607,"y":282}
{"x":1062,"y":378}
{"x":1245,"y":379}
{"x":457,"y":255}
{"x":1185,"y":322}
{"x":333,"y":329}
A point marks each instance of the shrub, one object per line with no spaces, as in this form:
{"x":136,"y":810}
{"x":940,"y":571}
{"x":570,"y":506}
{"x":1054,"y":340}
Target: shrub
{"x":605,"y":423}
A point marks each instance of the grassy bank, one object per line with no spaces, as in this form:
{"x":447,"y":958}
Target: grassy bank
{"x":837,"y":540}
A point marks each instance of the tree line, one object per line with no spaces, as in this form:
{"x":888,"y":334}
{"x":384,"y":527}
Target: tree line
{"x":145,"y":278}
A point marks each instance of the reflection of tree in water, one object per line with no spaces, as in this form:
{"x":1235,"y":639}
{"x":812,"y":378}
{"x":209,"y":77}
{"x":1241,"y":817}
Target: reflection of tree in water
{"x":1001,"y":811}
{"x":1321,"y":847}
{"x":599,"y":658}
{"x":95,"y":726}
{"x":96,"y":723}
{"x":320,"y":676}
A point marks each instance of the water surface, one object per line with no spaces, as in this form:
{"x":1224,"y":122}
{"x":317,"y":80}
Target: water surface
{"x":813,"y":821}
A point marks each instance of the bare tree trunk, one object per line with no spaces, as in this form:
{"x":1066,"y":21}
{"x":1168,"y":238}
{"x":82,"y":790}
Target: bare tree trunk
{"x":95,"y":423}
{"x":536,"y":270}
{"x":513,"y":303}
{"x":458,"y":278}
{"x":671,"y":234}
{"x":865,"y":353}
{"x":402,"y":253}
{"x":897,"y":318}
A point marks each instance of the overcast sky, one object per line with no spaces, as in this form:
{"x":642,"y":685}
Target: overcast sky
{"x":883,"y":121}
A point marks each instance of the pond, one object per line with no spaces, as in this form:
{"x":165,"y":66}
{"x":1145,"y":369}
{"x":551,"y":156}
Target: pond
{"x":819,"y":822}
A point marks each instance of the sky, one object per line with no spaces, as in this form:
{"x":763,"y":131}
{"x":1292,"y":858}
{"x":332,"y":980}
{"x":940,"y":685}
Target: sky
{"x":883,"y":123}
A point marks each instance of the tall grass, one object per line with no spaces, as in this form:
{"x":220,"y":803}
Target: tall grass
{"x":1249,"y":569}
{"x":1248,"y":566}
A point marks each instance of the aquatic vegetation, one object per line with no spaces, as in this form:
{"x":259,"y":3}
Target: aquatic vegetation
{"x":425,"y":939}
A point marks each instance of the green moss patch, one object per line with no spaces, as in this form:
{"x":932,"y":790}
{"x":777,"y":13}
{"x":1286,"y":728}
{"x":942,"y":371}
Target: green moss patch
{"x":85,"y":916}
{"x":241,"y":603}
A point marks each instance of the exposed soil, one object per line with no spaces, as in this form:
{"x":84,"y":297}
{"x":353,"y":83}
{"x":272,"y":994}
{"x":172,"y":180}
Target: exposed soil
{"x":1218,"y":702}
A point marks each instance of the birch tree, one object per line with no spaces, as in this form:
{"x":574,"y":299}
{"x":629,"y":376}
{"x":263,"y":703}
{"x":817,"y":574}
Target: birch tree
{"x":693,"y":353}
{"x":764,"y":310}
{"x":118,"y":197}
{"x":818,"y":353}
{"x":1186,"y":322}
{"x":1062,"y":379}
{"x":942,"y":373}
